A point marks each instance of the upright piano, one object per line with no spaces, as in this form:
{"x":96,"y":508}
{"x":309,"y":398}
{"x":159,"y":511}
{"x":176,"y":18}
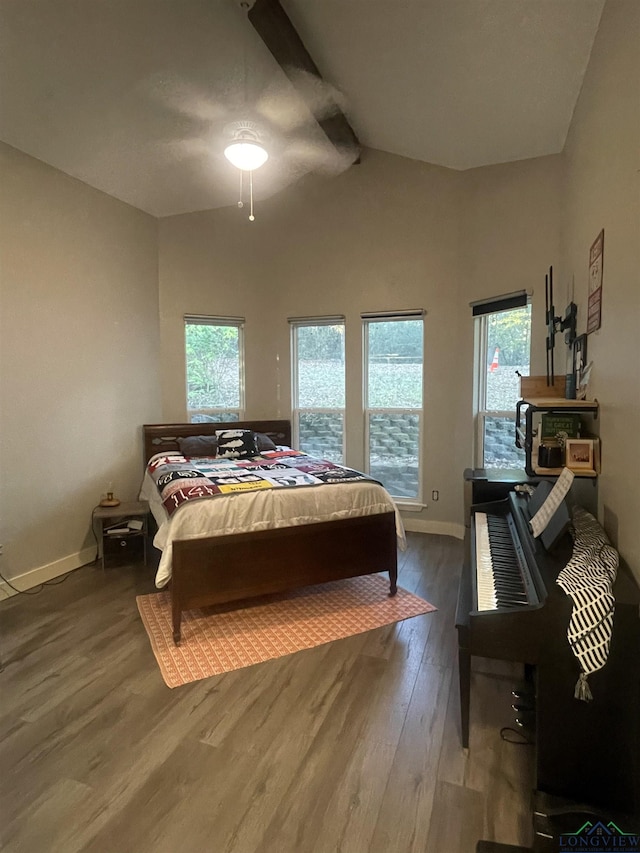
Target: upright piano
{"x":511,"y":608}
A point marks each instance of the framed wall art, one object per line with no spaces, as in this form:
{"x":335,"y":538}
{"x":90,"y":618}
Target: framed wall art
{"x":594,"y":304}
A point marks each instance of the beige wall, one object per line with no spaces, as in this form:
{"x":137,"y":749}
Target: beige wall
{"x":208,"y":264}
{"x":79,"y":352}
{"x":382,"y":236}
{"x":85,"y":361}
{"x":391,"y":233}
{"x":511,"y":235}
{"x":602,"y":161}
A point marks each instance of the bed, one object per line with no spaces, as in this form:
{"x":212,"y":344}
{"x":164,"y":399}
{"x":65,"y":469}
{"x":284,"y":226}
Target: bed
{"x":204,"y":564}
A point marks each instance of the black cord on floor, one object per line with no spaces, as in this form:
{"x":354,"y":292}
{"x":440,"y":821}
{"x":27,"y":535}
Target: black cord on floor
{"x":63,"y":579}
{"x":40,"y":587}
{"x":38,"y":590}
{"x":515,"y":737}
{"x":58,"y":581}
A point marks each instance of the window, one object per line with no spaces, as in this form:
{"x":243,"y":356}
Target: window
{"x":215,"y":368}
{"x":393,"y":381}
{"x":503,"y":343}
{"x":318,"y":393}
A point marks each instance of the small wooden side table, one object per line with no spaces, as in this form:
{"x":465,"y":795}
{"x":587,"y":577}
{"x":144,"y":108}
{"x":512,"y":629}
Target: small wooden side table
{"x":118,"y":542}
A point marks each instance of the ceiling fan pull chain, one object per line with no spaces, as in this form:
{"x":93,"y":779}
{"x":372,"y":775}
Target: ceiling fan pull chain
{"x":240,"y":202}
{"x":251,"y":216}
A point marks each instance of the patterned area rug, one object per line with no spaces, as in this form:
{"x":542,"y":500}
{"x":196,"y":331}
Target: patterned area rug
{"x":217,"y":639}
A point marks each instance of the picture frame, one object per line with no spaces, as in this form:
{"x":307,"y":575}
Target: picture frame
{"x":579,"y":454}
{"x":594,"y":303}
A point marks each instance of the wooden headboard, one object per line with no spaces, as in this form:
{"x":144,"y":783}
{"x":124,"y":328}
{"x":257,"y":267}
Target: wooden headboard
{"x":159,"y":438}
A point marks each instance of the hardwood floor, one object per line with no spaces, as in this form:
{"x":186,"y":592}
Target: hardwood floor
{"x":351,"y":747}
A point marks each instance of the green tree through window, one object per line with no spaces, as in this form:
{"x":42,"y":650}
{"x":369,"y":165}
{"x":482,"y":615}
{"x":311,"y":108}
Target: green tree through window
{"x":213,"y":351}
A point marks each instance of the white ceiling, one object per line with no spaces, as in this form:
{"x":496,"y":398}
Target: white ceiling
{"x":133,"y":96}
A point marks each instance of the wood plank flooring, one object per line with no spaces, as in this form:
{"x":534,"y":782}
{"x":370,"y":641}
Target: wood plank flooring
{"x":351,"y":747}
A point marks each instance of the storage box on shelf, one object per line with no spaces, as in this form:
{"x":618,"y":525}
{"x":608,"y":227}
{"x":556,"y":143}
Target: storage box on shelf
{"x":121,"y":541}
{"x":529,"y":442}
{"x":537,"y":387}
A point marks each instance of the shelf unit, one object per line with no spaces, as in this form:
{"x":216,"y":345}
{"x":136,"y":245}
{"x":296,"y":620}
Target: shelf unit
{"x":524,"y":437}
{"x":122,"y":547}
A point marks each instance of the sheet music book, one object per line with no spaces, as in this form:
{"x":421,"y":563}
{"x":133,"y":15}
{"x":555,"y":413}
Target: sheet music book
{"x":548,"y":509}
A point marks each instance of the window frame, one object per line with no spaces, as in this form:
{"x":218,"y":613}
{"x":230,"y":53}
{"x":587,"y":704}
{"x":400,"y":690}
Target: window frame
{"x":417,"y":502}
{"x":481,"y":412}
{"x":295,"y":324}
{"x":210,"y":412}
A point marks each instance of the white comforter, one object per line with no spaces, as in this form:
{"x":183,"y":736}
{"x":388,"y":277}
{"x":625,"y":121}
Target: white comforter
{"x":243,"y":512}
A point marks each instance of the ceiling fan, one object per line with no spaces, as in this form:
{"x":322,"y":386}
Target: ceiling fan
{"x":293,"y":116}
{"x":275,"y":29}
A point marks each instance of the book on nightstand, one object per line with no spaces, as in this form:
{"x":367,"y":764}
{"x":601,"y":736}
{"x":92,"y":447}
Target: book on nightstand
{"x":133,"y":525}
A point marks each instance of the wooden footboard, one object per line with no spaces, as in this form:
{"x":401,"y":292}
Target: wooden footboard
{"x":221,"y":569}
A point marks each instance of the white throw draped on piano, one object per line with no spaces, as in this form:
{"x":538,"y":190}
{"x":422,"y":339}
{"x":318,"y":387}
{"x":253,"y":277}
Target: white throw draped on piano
{"x":588,"y":578}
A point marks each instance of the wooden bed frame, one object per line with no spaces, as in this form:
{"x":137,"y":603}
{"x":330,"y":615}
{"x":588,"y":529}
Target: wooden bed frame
{"x":222,"y":569}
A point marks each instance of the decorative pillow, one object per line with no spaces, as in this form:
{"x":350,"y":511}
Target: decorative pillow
{"x":264,"y":442}
{"x":236,"y":443}
{"x":198,"y":445}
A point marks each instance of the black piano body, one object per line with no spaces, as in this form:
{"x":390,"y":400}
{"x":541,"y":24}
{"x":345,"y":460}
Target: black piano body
{"x":584,"y":751}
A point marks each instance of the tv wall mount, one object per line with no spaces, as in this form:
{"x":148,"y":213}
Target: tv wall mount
{"x":556,"y":325}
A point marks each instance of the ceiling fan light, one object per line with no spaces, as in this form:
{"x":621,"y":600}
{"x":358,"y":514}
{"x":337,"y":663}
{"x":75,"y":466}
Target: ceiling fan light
{"x":246,"y":155}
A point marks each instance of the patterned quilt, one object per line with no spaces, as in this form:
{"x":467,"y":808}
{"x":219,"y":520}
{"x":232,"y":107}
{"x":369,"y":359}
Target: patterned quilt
{"x":181,"y":478}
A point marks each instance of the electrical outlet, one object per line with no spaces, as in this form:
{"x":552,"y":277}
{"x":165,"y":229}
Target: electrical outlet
{"x":1,"y":550}
{"x":435,"y":495}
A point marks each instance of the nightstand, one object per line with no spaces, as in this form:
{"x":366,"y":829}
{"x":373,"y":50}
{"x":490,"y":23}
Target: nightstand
{"x":119,"y":543}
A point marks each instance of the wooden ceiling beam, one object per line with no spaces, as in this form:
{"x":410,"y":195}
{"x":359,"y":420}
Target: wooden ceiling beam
{"x":274,"y":27}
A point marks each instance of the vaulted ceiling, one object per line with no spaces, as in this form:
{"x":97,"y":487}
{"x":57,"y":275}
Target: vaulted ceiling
{"x":137,"y":97}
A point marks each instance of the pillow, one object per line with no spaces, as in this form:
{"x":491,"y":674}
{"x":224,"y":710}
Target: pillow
{"x":236,"y":443}
{"x":264,"y":442}
{"x":198,"y":445}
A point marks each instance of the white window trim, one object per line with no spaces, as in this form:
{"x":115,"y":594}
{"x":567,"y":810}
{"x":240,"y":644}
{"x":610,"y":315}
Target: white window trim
{"x":296,"y":410}
{"x":480,"y":388}
{"x":410,"y":504}
{"x":207,"y":320}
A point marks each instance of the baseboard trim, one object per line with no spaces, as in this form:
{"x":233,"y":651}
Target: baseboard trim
{"x":32,"y":578}
{"x":441,"y":528}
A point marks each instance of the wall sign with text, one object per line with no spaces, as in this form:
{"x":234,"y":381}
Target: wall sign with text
{"x":594,"y":305}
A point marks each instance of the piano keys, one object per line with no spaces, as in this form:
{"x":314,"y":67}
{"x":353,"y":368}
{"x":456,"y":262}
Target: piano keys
{"x":510,"y":608}
{"x":503,"y":579}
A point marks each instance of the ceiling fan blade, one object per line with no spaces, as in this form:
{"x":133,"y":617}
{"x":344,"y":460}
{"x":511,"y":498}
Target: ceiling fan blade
{"x":282,"y":108}
{"x":305,"y":155}
{"x":184,"y":149}
{"x":282,"y":104}
{"x":184,"y":98}
{"x":275,"y":29}
{"x":323,"y":99}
